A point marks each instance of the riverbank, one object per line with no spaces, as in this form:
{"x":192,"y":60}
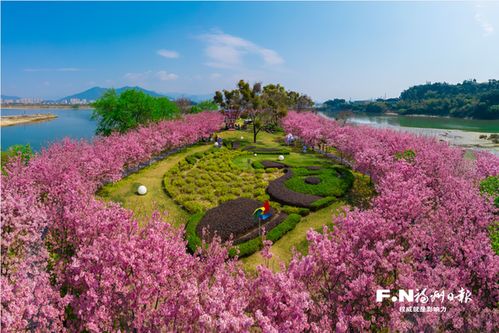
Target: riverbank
{"x":46,"y":106}
{"x":465,"y":139}
{"x":24,"y":119}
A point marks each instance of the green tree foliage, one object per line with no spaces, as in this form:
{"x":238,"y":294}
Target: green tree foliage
{"x":264,"y":106}
{"x":24,"y":151}
{"x":204,"y":106}
{"x":490,"y":186}
{"x":130,"y":109}
{"x":467,"y":99}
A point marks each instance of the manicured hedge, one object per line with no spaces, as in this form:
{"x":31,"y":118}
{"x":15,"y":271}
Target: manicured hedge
{"x":321,"y":203}
{"x":288,"y":224}
{"x":257,"y":165}
{"x":295,"y":210}
{"x":249,"y":247}
{"x":193,"y":240}
{"x":264,"y":151}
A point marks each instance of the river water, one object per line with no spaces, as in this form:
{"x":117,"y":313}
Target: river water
{"x":471,"y":125}
{"x":73,"y":123}
{"x":77,"y":124}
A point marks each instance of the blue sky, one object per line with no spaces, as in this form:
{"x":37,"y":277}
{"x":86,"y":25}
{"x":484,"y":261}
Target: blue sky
{"x":337,"y":49}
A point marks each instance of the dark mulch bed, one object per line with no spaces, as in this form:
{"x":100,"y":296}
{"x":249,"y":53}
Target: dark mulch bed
{"x":263,"y":150}
{"x":312,"y":180}
{"x":280,"y":193}
{"x":269,"y":225}
{"x":273,"y":164}
{"x":314,"y":167}
{"x":233,"y":217}
{"x":236,"y":145}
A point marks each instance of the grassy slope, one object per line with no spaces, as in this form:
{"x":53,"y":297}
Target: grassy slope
{"x":152,"y":177}
{"x":156,"y":199}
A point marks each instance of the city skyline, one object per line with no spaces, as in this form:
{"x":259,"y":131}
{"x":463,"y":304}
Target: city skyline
{"x":326,"y":50}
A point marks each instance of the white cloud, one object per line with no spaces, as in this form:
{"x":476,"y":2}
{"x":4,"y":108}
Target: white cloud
{"x":68,"y":69}
{"x":165,"y":76}
{"x":486,"y":26}
{"x":168,"y":54}
{"x":214,"y":76}
{"x":227,"y":51}
{"x":137,"y":76}
{"x":150,"y":75}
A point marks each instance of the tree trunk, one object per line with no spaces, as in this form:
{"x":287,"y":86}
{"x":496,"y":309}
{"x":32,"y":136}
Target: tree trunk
{"x":254,"y":133}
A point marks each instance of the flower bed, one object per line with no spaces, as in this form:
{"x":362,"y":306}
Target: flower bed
{"x":206,"y":180}
{"x":334,"y":181}
{"x":271,"y":164}
{"x":280,"y":193}
{"x":232,"y":219}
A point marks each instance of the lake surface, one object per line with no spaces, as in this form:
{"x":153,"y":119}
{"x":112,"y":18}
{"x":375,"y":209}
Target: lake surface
{"x":73,"y":123}
{"x":472,"y":125}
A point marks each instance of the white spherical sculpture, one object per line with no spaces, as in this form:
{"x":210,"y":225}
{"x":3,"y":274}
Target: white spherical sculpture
{"x":216,"y":144}
{"x":242,"y":138}
{"x":281,"y":157}
{"x":254,"y":154}
{"x":142,"y":190}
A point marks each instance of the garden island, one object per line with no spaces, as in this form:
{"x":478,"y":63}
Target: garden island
{"x":246,"y":213}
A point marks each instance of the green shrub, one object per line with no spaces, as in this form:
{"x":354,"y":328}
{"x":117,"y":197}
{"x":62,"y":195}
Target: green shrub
{"x":296,"y":210}
{"x":409,"y":155}
{"x":191,"y":159}
{"x":249,"y":247}
{"x":257,"y":165}
{"x":193,"y":240}
{"x":494,"y":236}
{"x":193,"y":206}
{"x":199,"y":155}
{"x":288,"y":224}
{"x":321,"y":203}
{"x":490,"y":186}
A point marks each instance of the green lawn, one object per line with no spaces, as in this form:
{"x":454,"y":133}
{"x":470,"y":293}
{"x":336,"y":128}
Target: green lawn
{"x":156,"y":199}
{"x":124,"y":191}
{"x":282,"y":250}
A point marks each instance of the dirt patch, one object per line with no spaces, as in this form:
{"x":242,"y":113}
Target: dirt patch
{"x":314,"y":167}
{"x":280,"y":193}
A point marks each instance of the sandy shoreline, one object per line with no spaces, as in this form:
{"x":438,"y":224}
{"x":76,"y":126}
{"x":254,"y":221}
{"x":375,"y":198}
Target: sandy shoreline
{"x":24,"y":119}
{"x":458,"y":138}
{"x":464,"y":139}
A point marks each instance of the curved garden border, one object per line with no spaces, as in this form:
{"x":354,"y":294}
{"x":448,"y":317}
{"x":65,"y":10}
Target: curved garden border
{"x":280,"y":193}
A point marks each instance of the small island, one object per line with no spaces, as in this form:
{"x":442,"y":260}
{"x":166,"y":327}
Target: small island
{"x":25,"y":118}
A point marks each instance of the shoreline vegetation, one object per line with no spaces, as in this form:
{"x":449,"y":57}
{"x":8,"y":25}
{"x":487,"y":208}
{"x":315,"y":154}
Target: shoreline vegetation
{"x":25,"y":119}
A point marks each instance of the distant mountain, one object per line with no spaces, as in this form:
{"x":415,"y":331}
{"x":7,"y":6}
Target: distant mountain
{"x":97,"y":92}
{"x":9,"y":97}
